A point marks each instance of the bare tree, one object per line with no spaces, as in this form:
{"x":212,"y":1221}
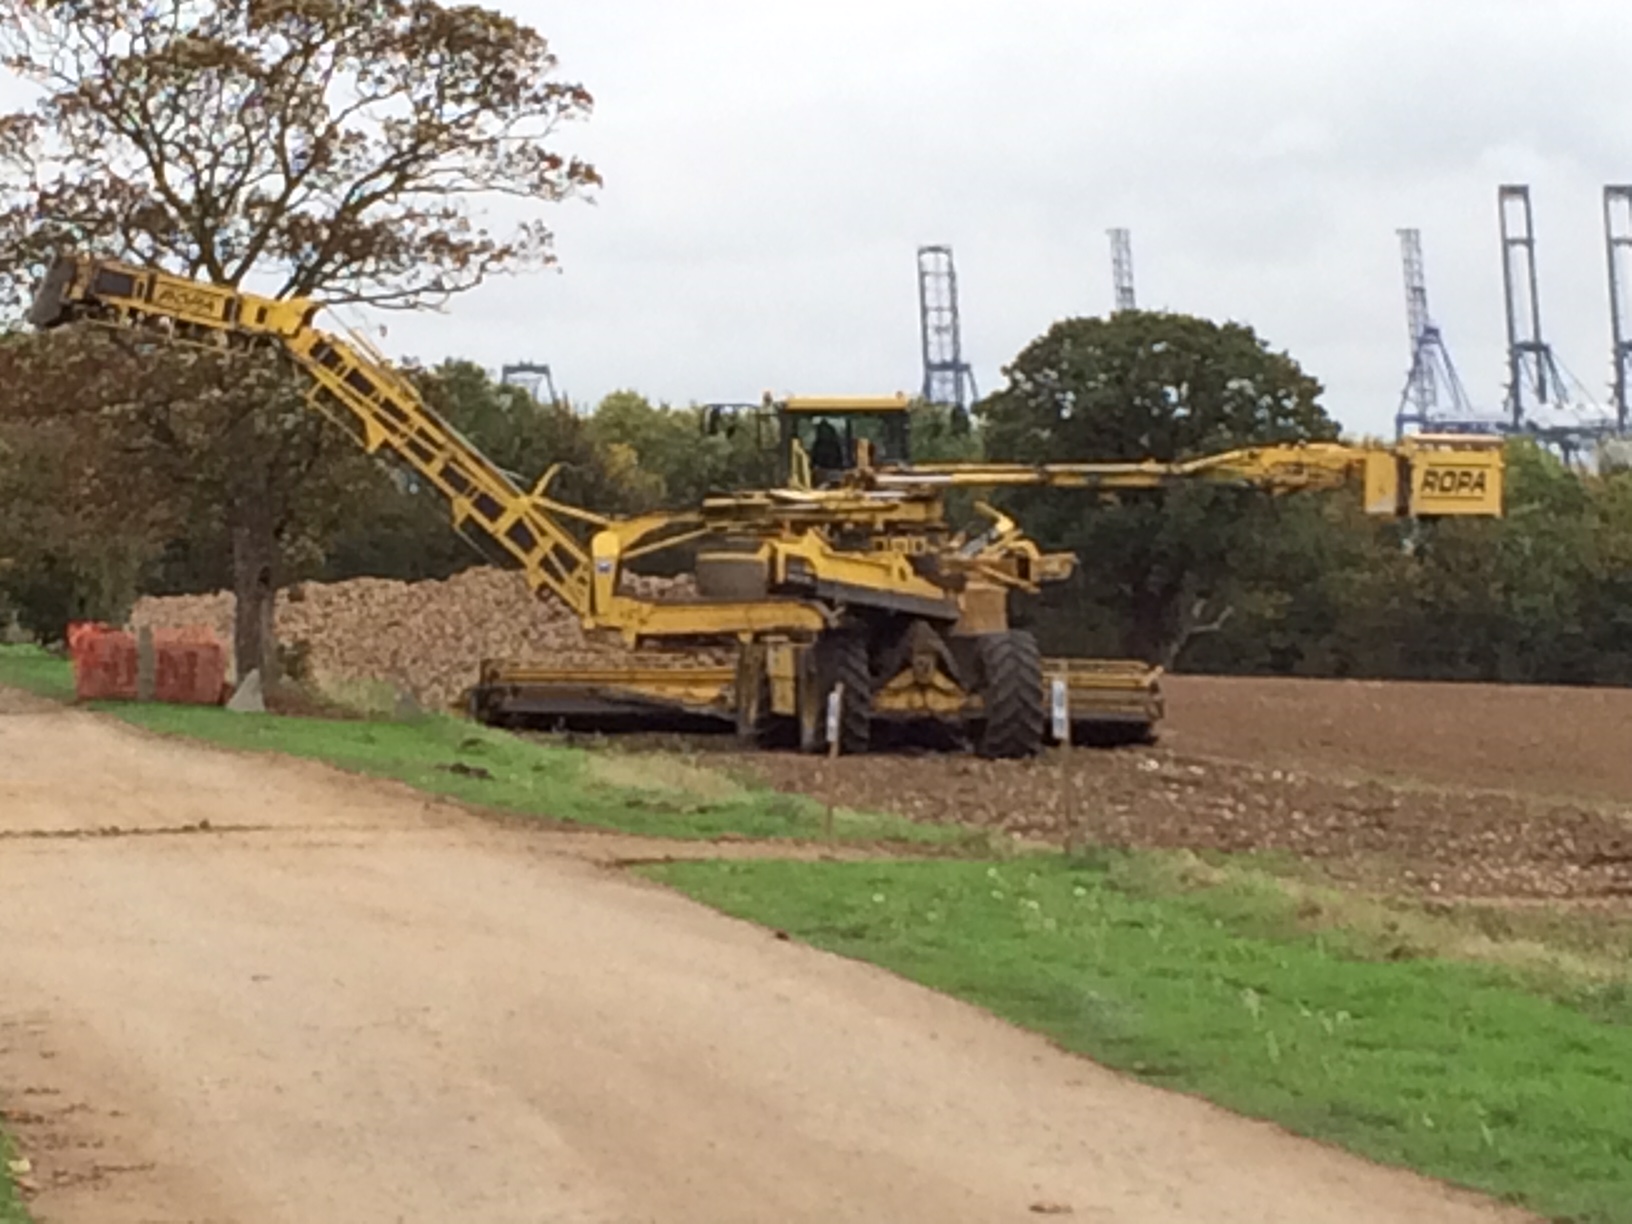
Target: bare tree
{"x":300,"y":147}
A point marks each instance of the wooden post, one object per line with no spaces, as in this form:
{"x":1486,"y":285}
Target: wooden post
{"x":146,"y":665}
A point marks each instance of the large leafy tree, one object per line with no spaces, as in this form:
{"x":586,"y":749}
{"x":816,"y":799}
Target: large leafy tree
{"x":665,"y":456}
{"x":1142,"y":385}
{"x":331,"y":148}
{"x":65,"y":552}
{"x":399,"y":529}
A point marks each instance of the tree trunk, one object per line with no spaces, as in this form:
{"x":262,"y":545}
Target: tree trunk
{"x":254,"y":558}
{"x":1193,"y":623}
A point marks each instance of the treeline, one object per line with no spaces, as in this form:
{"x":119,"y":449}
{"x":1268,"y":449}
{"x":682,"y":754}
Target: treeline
{"x":1237,"y":581}
{"x":101,"y":504}
{"x":136,"y":482}
{"x":1308,"y":585}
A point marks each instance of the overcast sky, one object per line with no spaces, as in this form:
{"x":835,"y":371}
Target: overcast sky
{"x":772,"y":167}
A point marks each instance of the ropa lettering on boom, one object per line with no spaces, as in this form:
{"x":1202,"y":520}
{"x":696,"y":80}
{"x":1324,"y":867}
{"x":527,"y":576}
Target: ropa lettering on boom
{"x":1456,"y":482}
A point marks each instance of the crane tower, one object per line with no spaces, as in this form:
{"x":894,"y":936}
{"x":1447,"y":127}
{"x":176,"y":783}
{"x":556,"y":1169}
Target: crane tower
{"x":1618,"y":235}
{"x":1434,"y":397}
{"x":1122,"y":269}
{"x":948,"y":378}
{"x":1534,"y":379}
{"x":534,"y":377}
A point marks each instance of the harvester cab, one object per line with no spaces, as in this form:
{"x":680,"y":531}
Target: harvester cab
{"x":820,"y":439}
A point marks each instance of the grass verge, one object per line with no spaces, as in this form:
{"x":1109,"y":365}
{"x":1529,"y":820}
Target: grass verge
{"x":653,"y":795}
{"x":12,"y":1210}
{"x":36,"y":671}
{"x":1223,"y":988}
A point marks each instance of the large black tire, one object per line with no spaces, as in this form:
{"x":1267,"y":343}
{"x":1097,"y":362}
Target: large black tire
{"x":1011,"y":671}
{"x":839,"y":658}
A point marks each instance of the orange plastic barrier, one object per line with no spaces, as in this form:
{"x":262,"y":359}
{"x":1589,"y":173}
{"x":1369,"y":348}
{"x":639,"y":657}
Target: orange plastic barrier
{"x":189,"y":664}
{"x":190,"y":669}
{"x":104,"y":662}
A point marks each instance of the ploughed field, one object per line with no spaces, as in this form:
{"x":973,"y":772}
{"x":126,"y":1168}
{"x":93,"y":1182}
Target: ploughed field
{"x":1454,"y":790}
{"x":1459,"y":790}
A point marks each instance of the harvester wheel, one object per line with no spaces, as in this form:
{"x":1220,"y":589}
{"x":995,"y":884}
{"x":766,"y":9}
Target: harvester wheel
{"x":1011,"y":670}
{"x":839,"y":658}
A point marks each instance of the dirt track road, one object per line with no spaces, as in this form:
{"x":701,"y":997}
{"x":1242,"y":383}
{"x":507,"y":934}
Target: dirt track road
{"x":342,"y":1003}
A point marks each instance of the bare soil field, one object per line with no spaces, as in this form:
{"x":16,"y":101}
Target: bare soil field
{"x":1474,"y":791}
{"x":248,"y":989}
{"x":1541,"y":741}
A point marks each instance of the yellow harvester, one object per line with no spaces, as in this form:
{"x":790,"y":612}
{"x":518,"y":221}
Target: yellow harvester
{"x":850,"y":596}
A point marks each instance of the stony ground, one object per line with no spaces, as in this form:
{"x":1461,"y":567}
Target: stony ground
{"x":1467,"y":790}
{"x":1456,"y":790}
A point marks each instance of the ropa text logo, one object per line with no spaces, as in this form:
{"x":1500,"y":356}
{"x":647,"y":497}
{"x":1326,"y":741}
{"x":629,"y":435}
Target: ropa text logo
{"x":188,"y":299}
{"x":1456,"y":482}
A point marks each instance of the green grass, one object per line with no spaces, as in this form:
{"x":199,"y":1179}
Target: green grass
{"x":1485,"y":1047}
{"x":11,"y":1207}
{"x":1460,"y":1070}
{"x":36,"y":671}
{"x":654,"y":794}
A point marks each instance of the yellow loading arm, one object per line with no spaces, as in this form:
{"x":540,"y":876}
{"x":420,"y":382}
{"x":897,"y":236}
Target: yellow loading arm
{"x":355,"y":387}
{"x":1427,"y":476}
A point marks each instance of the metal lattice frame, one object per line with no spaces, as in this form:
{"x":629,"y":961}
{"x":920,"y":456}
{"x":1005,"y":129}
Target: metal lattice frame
{"x":1122,"y":269}
{"x":948,"y":378}
{"x":1618,"y":237}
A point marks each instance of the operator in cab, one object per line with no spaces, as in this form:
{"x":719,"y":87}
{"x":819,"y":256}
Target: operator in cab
{"x":827,"y":455}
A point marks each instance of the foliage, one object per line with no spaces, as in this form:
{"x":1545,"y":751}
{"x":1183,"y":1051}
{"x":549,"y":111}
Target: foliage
{"x":1460,"y":1071}
{"x":71,"y":548}
{"x":1142,"y":385}
{"x":12,"y":1210}
{"x":395,"y":528}
{"x":330,"y":147}
{"x":1537,"y":596}
{"x":665,"y":457}
{"x":309,"y":149}
{"x":943,"y":435}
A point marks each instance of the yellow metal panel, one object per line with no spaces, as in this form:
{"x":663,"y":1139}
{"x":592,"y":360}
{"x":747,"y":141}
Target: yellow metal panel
{"x":984,"y":608}
{"x":882,"y":571}
{"x":782,"y":666}
{"x":696,"y":686}
{"x":639,"y":620}
{"x":834,"y":405}
{"x":1109,"y":689}
{"x":1467,"y":483}
{"x":940,"y":698}
{"x":1382,"y":483}
{"x":606,"y":549}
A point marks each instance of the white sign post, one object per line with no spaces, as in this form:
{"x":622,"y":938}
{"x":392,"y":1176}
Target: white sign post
{"x":835,"y":728}
{"x":1060,"y":708}
{"x":835,"y":723}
